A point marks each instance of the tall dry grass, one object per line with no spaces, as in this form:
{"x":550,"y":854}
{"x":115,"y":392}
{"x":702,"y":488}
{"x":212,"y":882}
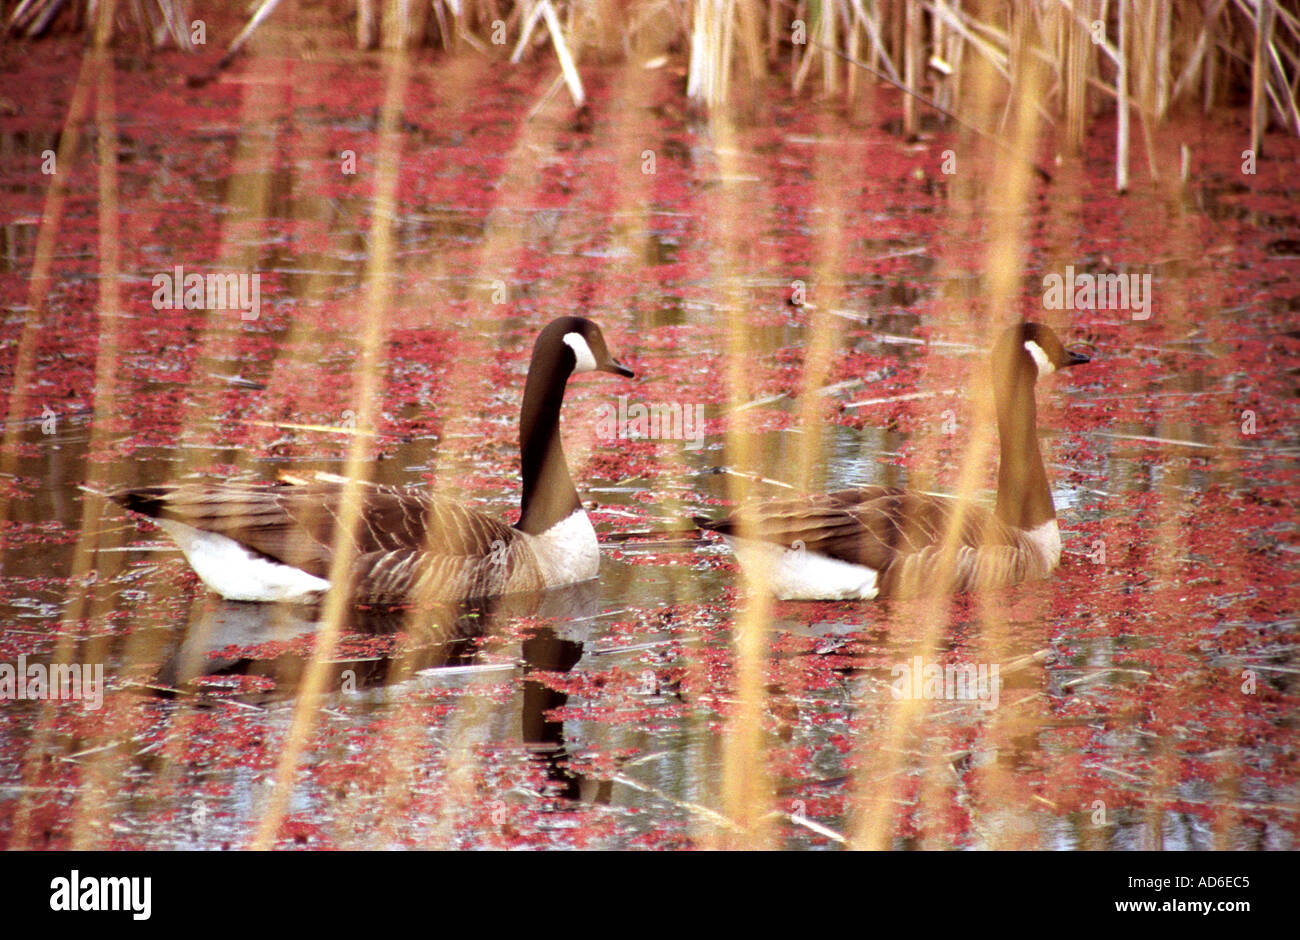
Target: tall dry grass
{"x":1175,"y":53}
{"x":1008,"y":71}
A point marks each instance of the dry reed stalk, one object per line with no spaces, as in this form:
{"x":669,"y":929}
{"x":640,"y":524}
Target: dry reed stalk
{"x":457,"y":773}
{"x":95,"y":72}
{"x":804,"y":64}
{"x":859,"y":20}
{"x":942,"y":47}
{"x":995,"y":44}
{"x":1076,"y":78}
{"x":521,"y":177}
{"x":878,"y":42}
{"x":567,"y":66}
{"x":337,"y":601}
{"x":33,"y":17}
{"x":911,"y":70}
{"x":402,"y":742}
{"x":1173,"y":319}
{"x":1018,"y":51}
{"x":41,"y":279}
{"x":751,"y":39}
{"x":503,"y":242}
{"x":523,"y":173}
{"x":1217,"y":371}
{"x":774,"y":28}
{"x":285,"y":372}
{"x":1145,"y":47}
{"x":956,"y":58}
{"x":872,"y":22}
{"x":980,"y":36}
{"x":825,"y":328}
{"x":879,"y":53}
{"x":1285,"y":99}
{"x":799,"y":13}
{"x":90,"y":814}
{"x":261,"y":101}
{"x":1163,"y":15}
{"x":954,"y":117}
{"x":855,"y":30}
{"x":630,"y":133}
{"x":700,"y":79}
{"x":405,"y":23}
{"x":878,"y":782}
{"x":447,"y":32}
{"x":747,"y":792}
{"x":830,"y":66}
{"x":723,"y":51}
{"x":309,"y":211}
{"x":719,"y":30}
{"x":1121,"y":114}
{"x":1208,"y":75}
{"x":259,"y":17}
{"x":1259,"y":69}
{"x":528,"y":24}
{"x":318,"y":428}
{"x":368,"y":24}
{"x":1008,"y":251}
{"x":289,"y":372}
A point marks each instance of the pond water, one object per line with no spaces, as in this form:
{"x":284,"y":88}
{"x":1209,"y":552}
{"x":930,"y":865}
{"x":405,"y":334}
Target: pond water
{"x":1149,"y":690}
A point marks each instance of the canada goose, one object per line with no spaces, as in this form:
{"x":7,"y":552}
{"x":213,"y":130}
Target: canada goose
{"x":881,"y":541}
{"x":271,"y":543}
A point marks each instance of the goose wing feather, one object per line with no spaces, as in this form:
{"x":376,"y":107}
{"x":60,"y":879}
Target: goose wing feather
{"x":404,"y":537}
{"x":894,"y":531}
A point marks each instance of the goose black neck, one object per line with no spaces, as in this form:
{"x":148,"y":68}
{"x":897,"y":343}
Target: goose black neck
{"x":1024,"y":495}
{"x":548,"y":495}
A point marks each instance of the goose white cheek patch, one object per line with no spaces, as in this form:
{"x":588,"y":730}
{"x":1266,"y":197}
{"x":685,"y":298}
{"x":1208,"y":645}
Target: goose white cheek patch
{"x":586,"y":360}
{"x":1044,"y":364}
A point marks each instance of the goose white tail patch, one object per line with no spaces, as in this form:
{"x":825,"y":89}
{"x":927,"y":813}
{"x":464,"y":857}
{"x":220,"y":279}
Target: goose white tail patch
{"x":586,"y":359}
{"x":1044,"y":364}
{"x":1046,"y":541}
{"x":236,"y":573}
{"x":800,"y":575}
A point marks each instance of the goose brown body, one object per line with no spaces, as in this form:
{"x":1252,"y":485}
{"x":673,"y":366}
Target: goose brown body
{"x":407,"y":544}
{"x":899,"y":535}
{"x":262,"y":543}
{"x":884,"y":542}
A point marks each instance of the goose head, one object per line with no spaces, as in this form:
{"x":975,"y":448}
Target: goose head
{"x":1023,"y":354}
{"x":578,"y":345}
{"x":566,"y":345}
{"x":1030,"y":351}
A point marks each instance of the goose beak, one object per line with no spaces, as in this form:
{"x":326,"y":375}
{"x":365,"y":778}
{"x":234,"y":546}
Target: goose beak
{"x":610,"y":365}
{"x":1075,"y":359}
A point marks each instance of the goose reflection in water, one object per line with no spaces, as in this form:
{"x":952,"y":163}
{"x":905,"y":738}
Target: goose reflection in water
{"x":230,"y":638}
